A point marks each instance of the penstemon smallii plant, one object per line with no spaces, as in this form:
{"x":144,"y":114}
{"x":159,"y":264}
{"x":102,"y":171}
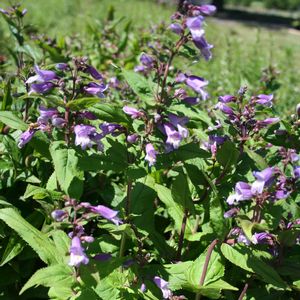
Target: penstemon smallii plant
{"x":137,"y":185}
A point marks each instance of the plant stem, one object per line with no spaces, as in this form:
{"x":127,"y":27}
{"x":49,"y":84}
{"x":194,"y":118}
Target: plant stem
{"x":181,"y":237}
{"x":207,"y":259}
{"x":168,"y":65}
{"x":243,"y":292}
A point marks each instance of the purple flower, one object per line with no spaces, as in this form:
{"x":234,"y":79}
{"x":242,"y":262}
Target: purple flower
{"x":25,"y":137}
{"x":109,"y":128}
{"x":262,"y":238}
{"x":107,"y":213}
{"x":194,"y":24}
{"x":132,"y":138}
{"x":24,"y":12}
{"x":265,"y":100}
{"x":181,"y":77}
{"x":143,"y":288}
{"x":231,"y":213}
{"x":85,"y":135}
{"x":180,"y":93}
{"x":88,"y":239}
{"x":197,"y":84}
{"x":41,"y":88}
{"x":96,"y":89}
{"x":150,"y":154}
{"x":42,"y":76}
{"x":243,"y":239}
{"x":94,"y":73}
{"x":163,"y":286}
{"x":133,"y":112}
{"x":242,"y":192}
{"x":206,"y":9}
{"x":227,"y":98}
{"x":179,"y":122}
{"x":262,"y":178}
{"x":219,"y":140}
{"x":58,"y":215}
{"x":46,"y":114}
{"x":62,"y":66}
{"x":191,"y":100}
{"x":224,"y":108}
{"x":176,"y":28}
{"x":58,"y":122}
{"x":77,"y":255}
{"x":297,"y":172}
{"x":140,"y":69}
{"x":114,"y":82}
{"x":103,"y":256}
{"x":173,"y":136}
{"x":146,"y":60}
{"x":204,"y":47}
{"x":4,"y":11}
{"x":268,"y":121}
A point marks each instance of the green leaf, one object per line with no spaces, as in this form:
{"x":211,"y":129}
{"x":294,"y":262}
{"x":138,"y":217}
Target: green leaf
{"x":7,"y":98}
{"x":183,"y":153}
{"x":57,"y":275}
{"x":228,"y":155}
{"x":181,"y":192}
{"x":193,"y":114}
{"x":82,"y":103}
{"x":36,"y":239}
{"x":216,"y":213}
{"x":177,"y":276}
{"x":61,"y":241}
{"x":109,"y":113}
{"x":140,"y":85}
{"x":215,"y":269}
{"x":246,"y":260}
{"x":175,"y":210}
{"x":14,"y":247}
{"x":68,"y":174}
{"x":257,"y":159}
{"x":12,"y":120}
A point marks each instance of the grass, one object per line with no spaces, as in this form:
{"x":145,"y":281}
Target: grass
{"x":241,"y":51}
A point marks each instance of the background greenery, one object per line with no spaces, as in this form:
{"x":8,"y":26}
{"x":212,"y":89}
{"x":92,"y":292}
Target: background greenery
{"x":242,"y":51}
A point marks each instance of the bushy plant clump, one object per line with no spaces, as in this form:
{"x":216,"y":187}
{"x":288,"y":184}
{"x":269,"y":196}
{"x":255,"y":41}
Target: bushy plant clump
{"x":120,"y":180}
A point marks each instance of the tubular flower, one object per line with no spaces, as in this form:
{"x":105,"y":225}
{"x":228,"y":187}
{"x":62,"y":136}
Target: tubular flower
{"x":85,"y":136}
{"x":163,"y":286}
{"x":106,"y":213}
{"x":150,"y":154}
{"x":173,"y":136}
{"x":263,"y":179}
{"x":133,"y":112}
{"x":265,"y":100}
{"x":242,"y":192}
{"x":25,"y":137}
{"x":77,"y":255}
{"x":197,"y":84}
{"x":96,"y":89}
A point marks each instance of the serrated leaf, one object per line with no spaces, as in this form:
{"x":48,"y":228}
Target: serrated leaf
{"x":247,"y":261}
{"x":228,"y":155}
{"x":140,"y":85}
{"x":12,"y":120}
{"x":215,"y":269}
{"x":175,"y":210}
{"x":82,"y":103}
{"x":14,"y":247}
{"x":258,"y":160}
{"x":109,"y":113}
{"x":57,"y":275}
{"x":36,"y":239}
{"x":68,"y":174}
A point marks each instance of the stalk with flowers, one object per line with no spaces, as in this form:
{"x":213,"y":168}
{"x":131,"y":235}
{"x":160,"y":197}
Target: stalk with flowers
{"x":135,"y":186}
